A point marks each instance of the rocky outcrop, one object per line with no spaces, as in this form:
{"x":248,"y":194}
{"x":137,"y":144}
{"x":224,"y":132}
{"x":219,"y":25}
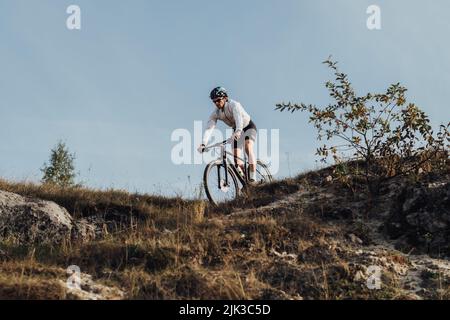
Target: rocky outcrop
{"x":24,"y":220}
{"x":420,"y":218}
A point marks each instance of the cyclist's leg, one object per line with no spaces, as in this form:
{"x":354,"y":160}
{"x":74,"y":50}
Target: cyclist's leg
{"x":237,"y":152}
{"x":250,"y":138}
{"x":249,"y":149}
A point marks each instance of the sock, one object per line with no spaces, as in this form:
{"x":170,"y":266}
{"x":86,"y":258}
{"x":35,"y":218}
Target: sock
{"x":252,"y":175}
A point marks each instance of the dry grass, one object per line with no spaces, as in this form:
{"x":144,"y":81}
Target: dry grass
{"x":169,"y":248}
{"x":24,"y":279}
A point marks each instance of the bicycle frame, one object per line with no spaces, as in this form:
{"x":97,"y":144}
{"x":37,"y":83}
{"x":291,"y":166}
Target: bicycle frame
{"x":224,"y":158}
{"x":232,"y":178}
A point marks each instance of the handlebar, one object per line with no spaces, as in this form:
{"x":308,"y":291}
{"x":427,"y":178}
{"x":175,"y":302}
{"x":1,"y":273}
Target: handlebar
{"x":224,"y":142}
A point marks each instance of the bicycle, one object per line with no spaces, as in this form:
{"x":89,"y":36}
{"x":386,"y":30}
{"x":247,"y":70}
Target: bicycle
{"x":221,"y":178}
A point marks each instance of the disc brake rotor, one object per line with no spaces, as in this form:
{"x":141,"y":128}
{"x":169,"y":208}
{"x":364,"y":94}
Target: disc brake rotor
{"x":223,"y":186}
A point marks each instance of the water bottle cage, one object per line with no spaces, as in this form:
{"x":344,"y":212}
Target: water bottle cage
{"x":239,"y":170}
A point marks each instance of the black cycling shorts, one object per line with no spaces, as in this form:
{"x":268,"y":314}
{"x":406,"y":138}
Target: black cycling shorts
{"x":249,"y":133}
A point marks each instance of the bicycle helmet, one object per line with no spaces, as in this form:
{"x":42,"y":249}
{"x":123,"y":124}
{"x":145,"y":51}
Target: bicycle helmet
{"x":218,"y":92}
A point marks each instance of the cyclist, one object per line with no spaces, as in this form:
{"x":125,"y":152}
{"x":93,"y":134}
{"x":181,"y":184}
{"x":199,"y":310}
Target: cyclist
{"x":233,"y":114}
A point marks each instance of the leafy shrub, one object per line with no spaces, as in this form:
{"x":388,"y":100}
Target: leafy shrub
{"x":382,"y":132}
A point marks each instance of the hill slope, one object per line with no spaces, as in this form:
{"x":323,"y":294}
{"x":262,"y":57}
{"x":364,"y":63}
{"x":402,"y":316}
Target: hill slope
{"x":301,"y":238}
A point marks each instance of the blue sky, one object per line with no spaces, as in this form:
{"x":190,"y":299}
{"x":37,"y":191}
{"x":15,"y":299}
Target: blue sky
{"x":115,"y":90}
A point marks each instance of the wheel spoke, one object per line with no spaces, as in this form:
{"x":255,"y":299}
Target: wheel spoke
{"x":262,"y":173}
{"x":218,"y":189}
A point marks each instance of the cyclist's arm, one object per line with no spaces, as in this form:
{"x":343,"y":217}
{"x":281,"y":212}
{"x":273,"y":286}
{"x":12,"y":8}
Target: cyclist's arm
{"x":238,"y":119}
{"x":209,"y":128}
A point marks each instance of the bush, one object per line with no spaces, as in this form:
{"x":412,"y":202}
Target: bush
{"x":61,"y":170}
{"x":382,"y":132}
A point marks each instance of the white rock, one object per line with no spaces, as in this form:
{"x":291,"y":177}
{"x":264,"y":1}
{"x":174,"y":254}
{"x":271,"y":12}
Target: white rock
{"x":26,"y":220}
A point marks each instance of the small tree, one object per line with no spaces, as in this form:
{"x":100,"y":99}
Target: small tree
{"x":389,"y":136}
{"x":61,"y":170}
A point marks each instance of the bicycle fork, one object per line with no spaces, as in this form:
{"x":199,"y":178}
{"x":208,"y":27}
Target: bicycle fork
{"x":224,"y":164}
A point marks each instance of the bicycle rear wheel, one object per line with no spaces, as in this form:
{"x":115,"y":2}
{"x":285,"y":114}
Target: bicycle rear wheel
{"x":263,"y":174}
{"x":216,"y":188}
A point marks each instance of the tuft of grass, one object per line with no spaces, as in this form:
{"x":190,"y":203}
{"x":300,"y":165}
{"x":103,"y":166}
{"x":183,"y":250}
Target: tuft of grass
{"x":154,"y":247}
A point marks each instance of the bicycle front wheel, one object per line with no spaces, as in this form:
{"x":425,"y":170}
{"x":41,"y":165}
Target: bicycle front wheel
{"x":217,"y":188}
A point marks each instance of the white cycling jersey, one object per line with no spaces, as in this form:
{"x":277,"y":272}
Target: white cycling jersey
{"x":233,"y":114}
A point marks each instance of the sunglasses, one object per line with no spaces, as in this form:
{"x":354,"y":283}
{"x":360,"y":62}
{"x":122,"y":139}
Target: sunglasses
{"x":217,"y":100}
